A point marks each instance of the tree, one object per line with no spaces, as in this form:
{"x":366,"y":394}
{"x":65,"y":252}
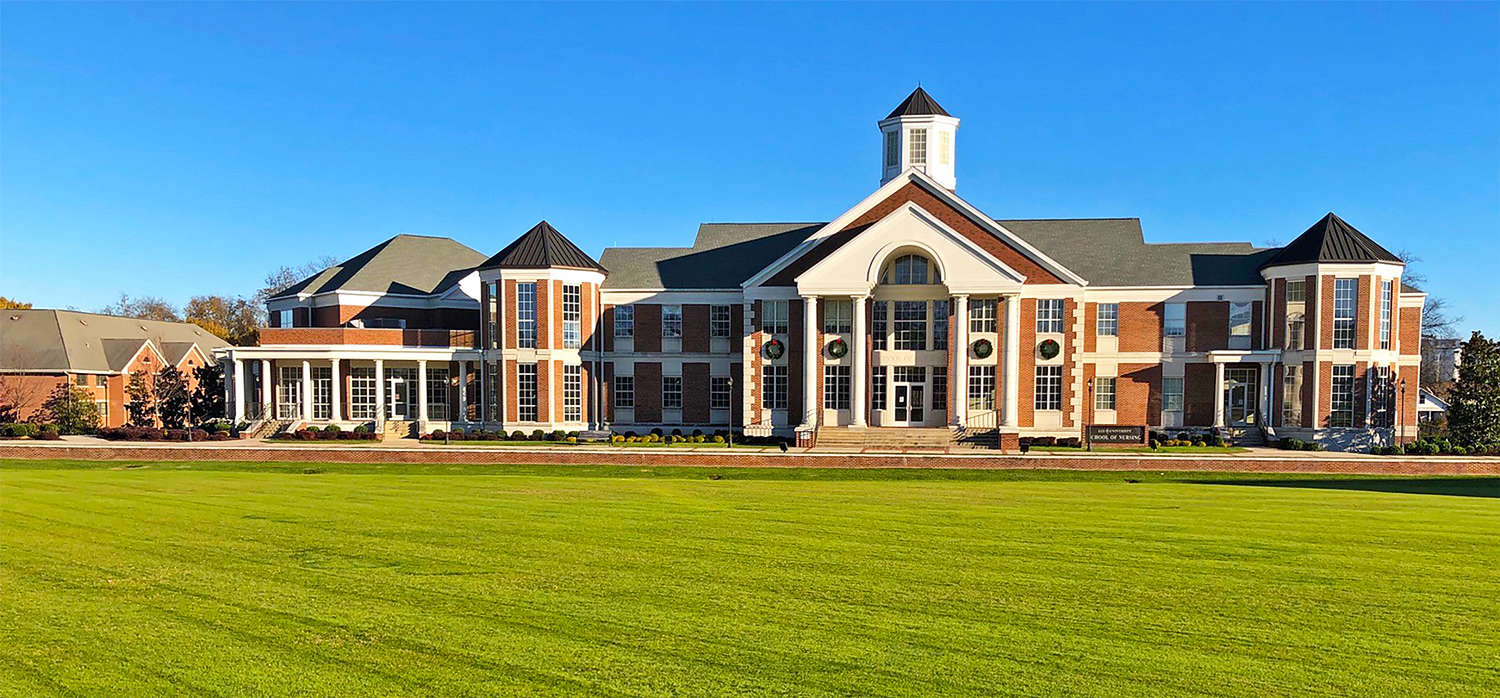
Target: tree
{"x":72,"y":409}
{"x":8,"y":304}
{"x":234,"y":319}
{"x":142,"y":405}
{"x":145,"y":308}
{"x":208,"y":396}
{"x":19,"y":389}
{"x":1474,"y":401}
{"x":172,"y":398}
{"x":283,"y":278}
{"x":1437,"y":320}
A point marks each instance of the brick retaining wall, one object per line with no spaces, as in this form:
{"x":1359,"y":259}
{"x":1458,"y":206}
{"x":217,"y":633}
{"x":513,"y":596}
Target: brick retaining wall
{"x":674,"y":457}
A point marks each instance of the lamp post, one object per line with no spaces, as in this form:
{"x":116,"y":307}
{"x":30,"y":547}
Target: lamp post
{"x":1088,"y":442}
{"x":1401,"y":415}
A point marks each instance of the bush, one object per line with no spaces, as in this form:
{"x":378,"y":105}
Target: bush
{"x":573,"y":434}
{"x":657,"y":432}
{"x":48,"y":432}
{"x":718,"y":439}
{"x":361,"y":429}
{"x":617,"y":439}
{"x":559,"y":435}
{"x":1044,"y":441}
{"x":572,"y":439}
{"x":332,"y":429}
{"x":199,"y":435}
{"x":1460,"y":451}
{"x":17,"y":431}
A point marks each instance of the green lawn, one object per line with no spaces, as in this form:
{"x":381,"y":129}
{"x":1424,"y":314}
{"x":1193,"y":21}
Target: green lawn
{"x":401,"y":580}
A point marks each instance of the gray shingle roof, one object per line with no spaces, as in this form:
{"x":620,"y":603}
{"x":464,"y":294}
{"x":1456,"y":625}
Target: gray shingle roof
{"x":918,"y":103}
{"x":410,"y":265}
{"x":723,"y":256}
{"x":1114,"y":252}
{"x":66,"y":340}
{"x":542,"y":247}
{"x":1332,"y":240}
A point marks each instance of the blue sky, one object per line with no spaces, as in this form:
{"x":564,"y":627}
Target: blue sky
{"x":177,"y":149}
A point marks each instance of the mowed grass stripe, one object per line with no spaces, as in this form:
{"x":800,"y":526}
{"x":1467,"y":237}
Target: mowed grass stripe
{"x":945,"y":626}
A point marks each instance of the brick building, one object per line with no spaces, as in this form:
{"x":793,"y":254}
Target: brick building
{"x":911,"y":309}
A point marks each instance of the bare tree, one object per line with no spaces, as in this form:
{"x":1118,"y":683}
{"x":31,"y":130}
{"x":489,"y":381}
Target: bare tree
{"x":284,"y":277}
{"x":20,"y":387}
{"x":1438,"y":319}
{"x":145,"y":308}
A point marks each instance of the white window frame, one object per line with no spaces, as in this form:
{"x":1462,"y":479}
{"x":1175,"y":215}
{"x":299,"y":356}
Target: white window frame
{"x":983,"y":314}
{"x":671,"y":392}
{"x":1345,"y":297}
{"x":1171,"y":394}
{"x":1387,"y":294}
{"x":981,"y":387}
{"x":363,"y":398}
{"x":1341,"y":396}
{"x":720,"y":393}
{"x":917,"y":147}
{"x":1174,"y":320}
{"x":572,"y":307}
{"x":1049,"y":315}
{"x":671,"y":321}
{"x":1239,"y":325}
{"x":624,"y":321}
{"x":773,"y":387}
{"x":1107,"y":319}
{"x":945,"y":147}
{"x":1104,"y":392}
{"x":835,"y":387}
{"x":939,"y":388}
{"x":572,"y":393}
{"x":1291,"y":396}
{"x":940,"y":324}
{"x":838,"y":317}
{"x":1048,"y":389}
{"x":877,"y":388}
{"x":911,"y":332}
{"x":526,"y":393}
{"x":719,"y":320}
{"x":892,"y":148}
{"x":775,"y":317}
{"x":880,"y":324}
{"x":437,"y":393}
{"x":526,"y":315}
{"x":624,"y":397}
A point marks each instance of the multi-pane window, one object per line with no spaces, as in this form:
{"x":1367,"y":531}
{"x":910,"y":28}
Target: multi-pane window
{"x":1341,"y":397}
{"x":910,"y":269}
{"x":671,"y":392}
{"x":1344,"y":293}
{"x":362,"y":392}
{"x":1291,"y":397}
{"x":1296,"y":326}
{"x":572,"y":393}
{"x":322,"y":384}
{"x":939,"y":325}
{"x":572,"y":316}
{"x":838,"y":317}
{"x":526,"y":315}
{"x":981,"y":387}
{"x":289,"y":393}
{"x":81,"y":379}
{"x":911,"y":325}
{"x":878,"y":330}
{"x":940,"y":387}
{"x":1382,"y":397}
{"x":877,"y":388}
{"x":437,"y":394}
{"x":671,"y":321}
{"x":1239,"y":325}
{"x":1174,"y":320}
{"x":1049,"y":315}
{"x":720,"y":394}
{"x":101,"y":380}
{"x":1296,"y":291}
{"x":1048,"y":388}
{"x":1108,"y":324}
{"x":1296,"y":308}
{"x":945,"y":147}
{"x":624,"y":321}
{"x":718,"y":320}
{"x":982,"y":315}
{"x":491,"y":389}
{"x":775,"y":320}
{"x":893,"y":148}
{"x":773,"y":387}
{"x":1387,"y":290}
{"x":526,"y":392}
{"x":918,"y":151}
{"x":1171,"y":394}
{"x":624,"y":392}
{"x":836,"y":387}
{"x":492,"y":316}
{"x":910,"y":374}
{"x":285,"y":317}
{"x":1104,"y":393}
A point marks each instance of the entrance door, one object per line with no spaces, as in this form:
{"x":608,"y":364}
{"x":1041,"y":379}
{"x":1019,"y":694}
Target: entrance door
{"x":400,"y":396}
{"x":1240,"y":396}
{"x":910,"y":404}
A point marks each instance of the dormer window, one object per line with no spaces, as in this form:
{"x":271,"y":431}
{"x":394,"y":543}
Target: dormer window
{"x":918,"y":152}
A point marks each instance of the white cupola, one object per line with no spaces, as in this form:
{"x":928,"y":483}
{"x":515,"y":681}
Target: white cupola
{"x":919,"y":134}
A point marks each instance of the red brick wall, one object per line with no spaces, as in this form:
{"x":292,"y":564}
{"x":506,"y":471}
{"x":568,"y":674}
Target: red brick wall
{"x":1278,"y":313}
{"x":1141,"y":326}
{"x":511,"y":397}
{"x":736,"y":401}
{"x":1309,"y":398}
{"x":736,"y":324}
{"x":1198,"y":395}
{"x":511,"y":342}
{"x":795,"y":347}
{"x":1091,"y":327}
{"x":1325,"y":318}
{"x":647,"y":391}
{"x":647,"y":327}
{"x":588,"y":319}
{"x":695,"y":389}
{"x":1138,"y":394}
{"x":608,"y":329}
{"x":695,"y":328}
{"x":1410,"y":331}
{"x":607,"y":391}
{"x":1325,"y":393}
{"x":1026,"y":402}
{"x":1207,"y":325}
{"x":1070,"y":360}
{"x":1362,"y":325}
{"x":1257,"y":324}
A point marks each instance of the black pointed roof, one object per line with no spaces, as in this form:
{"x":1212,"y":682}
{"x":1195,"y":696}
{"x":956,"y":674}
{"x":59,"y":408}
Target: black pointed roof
{"x":1331,"y":240}
{"x":542,"y":247}
{"x":918,"y":103}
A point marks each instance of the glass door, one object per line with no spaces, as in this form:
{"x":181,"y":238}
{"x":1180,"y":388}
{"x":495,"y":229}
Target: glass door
{"x":1239,"y":396}
{"x":401,"y":396}
{"x":910,"y":404}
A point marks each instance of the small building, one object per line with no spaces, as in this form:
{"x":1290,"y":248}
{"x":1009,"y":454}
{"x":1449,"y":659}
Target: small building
{"x":41,"y":349}
{"x":1430,"y":408}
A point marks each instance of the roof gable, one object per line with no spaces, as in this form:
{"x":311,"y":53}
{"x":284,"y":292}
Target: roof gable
{"x":411,"y":265}
{"x":1332,"y":240}
{"x":542,"y":247}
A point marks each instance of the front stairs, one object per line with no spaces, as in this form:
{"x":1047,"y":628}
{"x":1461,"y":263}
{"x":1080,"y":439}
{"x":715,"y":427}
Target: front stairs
{"x":898,"y":439}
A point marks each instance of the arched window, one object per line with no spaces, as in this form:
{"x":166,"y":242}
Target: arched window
{"x":910,"y":269}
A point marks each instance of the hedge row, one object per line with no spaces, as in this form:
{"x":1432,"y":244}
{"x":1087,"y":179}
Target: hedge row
{"x":25,"y":430}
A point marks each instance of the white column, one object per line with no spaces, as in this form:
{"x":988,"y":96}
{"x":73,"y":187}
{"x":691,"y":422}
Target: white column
{"x":463,"y":392}
{"x":239,"y":390}
{"x":1012,"y":361}
{"x":1218,"y":394}
{"x":379,"y":391}
{"x":336,"y":391}
{"x":1265,"y":393}
{"x":267,"y":390}
{"x":810,"y":351}
{"x":307,"y":397}
{"x":422,"y":392}
{"x":958,"y":378}
{"x":857,"y":405}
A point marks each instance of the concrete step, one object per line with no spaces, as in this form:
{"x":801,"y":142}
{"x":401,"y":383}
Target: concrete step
{"x":888,"y":438}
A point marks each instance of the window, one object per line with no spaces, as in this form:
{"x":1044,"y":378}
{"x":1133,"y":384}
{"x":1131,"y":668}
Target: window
{"x":1382,"y":397}
{"x":1387,"y":290}
{"x":773,"y":388}
{"x":145,"y":358}
{"x":1171,"y":394}
{"x":1108,"y":324}
{"x":526,"y":391}
{"x":982,"y":314}
{"x":909,"y":269}
{"x":572,"y":316}
{"x":1341,"y":398}
{"x":910,"y":374}
{"x":720,"y":395}
{"x":981,"y":387}
{"x":775,"y":317}
{"x":284,"y":318}
{"x":1296,"y":291}
{"x":939,"y":325}
{"x":1344,"y":292}
{"x":103,"y":407}
{"x":877,"y":388}
{"x":893,"y":148}
{"x":671,"y":321}
{"x":81,"y":379}
{"x":1048,"y":388}
{"x":671,"y":392}
{"x":362,"y":392}
{"x":1104,"y":393}
{"x":1174,"y":320}
{"x":945,"y":147}
{"x":1296,"y":309}
{"x":1295,"y":327}
{"x":1291,"y":397}
{"x":437,"y":393}
{"x":1049,"y":315}
{"x":572,"y":392}
{"x":836,"y":387}
{"x":940,"y":387}
{"x":911,"y":325}
{"x":492,"y":312}
{"x":322,"y":385}
{"x":526,"y":316}
{"x":624,"y":392}
{"x":1239,"y":325}
{"x":289,"y":393}
{"x":492,"y":389}
{"x":918,"y":151}
{"x":718,"y":321}
{"x":101,"y":380}
{"x":838,"y":317}
{"x":878,"y":329}
{"x":625,"y":321}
